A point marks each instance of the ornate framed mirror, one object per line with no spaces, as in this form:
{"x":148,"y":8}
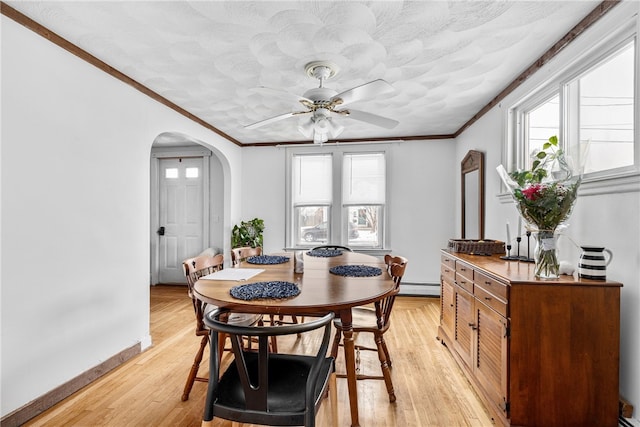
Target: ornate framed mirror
{"x":472,"y":181}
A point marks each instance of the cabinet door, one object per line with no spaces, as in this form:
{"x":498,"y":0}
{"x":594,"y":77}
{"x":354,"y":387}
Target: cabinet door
{"x":492,"y":343}
{"x":447,"y":307}
{"x":464,"y":325}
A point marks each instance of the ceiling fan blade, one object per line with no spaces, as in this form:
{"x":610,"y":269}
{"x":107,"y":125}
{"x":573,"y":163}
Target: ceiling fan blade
{"x":367,"y":90}
{"x":275,"y":119}
{"x":374,"y":119}
{"x":278,"y":93}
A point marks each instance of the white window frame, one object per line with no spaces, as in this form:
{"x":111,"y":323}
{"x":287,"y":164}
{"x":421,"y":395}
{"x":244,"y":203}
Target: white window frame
{"x":515,"y":157}
{"x":338,"y":227}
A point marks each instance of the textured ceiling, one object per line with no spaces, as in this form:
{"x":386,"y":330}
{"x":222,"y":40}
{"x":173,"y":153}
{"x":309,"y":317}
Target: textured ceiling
{"x":445,"y":59}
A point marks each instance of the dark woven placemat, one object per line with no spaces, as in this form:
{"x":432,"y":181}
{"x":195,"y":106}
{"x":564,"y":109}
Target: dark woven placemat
{"x":356,"y":270}
{"x":267,"y":259}
{"x":325,"y":253}
{"x":259,"y":290}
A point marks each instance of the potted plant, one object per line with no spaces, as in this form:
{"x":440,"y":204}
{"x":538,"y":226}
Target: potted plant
{"x":248,"y":233}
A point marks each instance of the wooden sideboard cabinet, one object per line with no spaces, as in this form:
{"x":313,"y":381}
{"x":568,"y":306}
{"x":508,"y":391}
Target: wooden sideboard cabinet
{"x":538,"y":352}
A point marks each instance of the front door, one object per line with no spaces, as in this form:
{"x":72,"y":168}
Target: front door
{"x":181,"y":215}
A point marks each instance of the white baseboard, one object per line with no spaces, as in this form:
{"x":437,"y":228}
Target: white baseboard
{"x":146,"y":342}
{"x":420,"y":289}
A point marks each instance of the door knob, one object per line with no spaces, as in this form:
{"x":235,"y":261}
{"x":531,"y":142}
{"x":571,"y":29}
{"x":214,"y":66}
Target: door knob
{"x":161,"y":231}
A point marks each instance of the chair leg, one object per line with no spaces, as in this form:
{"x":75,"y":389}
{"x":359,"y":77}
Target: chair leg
{"x":336,"y":343}
{"x":333,"y":398}
{"x":386,"y":351}
{"x":194,"y":368}
{"x":386,"y":372}
{"x":222,"y":339}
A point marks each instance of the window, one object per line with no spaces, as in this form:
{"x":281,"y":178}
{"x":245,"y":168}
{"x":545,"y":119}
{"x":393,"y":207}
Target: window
{"x":603,"y":98}
{"x":591,"y":107}
{"x":312,"y":197}
{"x":363,"y":195}
{"x":336,"y":196}
{"x":192,"y":172}
{"x":171,"y":173}
{"x":540,"y":123}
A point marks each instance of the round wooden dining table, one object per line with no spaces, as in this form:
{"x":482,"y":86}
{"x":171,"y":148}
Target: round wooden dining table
{"x":320,"y":292}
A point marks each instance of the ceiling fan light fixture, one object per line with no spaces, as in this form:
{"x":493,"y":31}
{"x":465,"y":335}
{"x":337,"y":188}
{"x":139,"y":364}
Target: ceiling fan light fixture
{"x":322,"y":125}
{"x":306,"y":128}
{"x":320,"y":138}
{"x":335,"y":129}
{"x":321,"y":102}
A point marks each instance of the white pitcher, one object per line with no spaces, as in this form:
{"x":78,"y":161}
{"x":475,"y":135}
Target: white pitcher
{"x":593,"y":263}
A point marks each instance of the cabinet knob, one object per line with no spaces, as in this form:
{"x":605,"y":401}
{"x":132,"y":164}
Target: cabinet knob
{"x":473,"y":326}
{"x":487,"y":283}
{"x":487,"y":298}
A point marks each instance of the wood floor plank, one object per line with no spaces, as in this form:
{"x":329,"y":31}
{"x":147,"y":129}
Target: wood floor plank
{"x":430,"y":388}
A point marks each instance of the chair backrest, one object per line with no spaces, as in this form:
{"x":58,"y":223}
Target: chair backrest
{"x":333,"y":247}
{"x":240,"y":254}
{"x":396,"y":266}
{"x":195,"y":268}
{"x":254,"y":368}
{"x":397,"y":272}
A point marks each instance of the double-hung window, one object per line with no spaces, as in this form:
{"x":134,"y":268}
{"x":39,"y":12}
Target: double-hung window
{"x":592,"y":106}
{"x":336,"y":195}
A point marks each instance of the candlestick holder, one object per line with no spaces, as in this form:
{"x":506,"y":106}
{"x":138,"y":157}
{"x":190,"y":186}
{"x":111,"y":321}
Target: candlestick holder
{"x":509,"y":257}
{"x":528,"y":257}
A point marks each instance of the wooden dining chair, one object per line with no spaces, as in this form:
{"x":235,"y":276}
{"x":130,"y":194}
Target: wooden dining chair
{"x":376,"y":321}
{"x":261,"y":387}
{"x":242,"y":253}
{"x":194,"y":269}
{"x":333,"y":247}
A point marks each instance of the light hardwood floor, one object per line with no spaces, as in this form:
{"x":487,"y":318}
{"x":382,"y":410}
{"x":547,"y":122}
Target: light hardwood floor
{"x":431,"y":390}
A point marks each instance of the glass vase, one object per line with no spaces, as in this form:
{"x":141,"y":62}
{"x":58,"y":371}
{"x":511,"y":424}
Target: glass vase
{"x":545,"y":255}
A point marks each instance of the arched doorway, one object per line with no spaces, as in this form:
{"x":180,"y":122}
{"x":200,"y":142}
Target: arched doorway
{"x":188,"y":212}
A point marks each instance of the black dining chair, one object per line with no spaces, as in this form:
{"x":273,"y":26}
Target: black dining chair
{"x":194,"y":269}
{"x":266,"y":388}
{"x":333,"y":247}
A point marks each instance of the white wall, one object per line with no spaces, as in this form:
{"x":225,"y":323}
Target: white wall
{"x":610,"y":220}
{"x":420,"y":207}
{"x":75,"y":213}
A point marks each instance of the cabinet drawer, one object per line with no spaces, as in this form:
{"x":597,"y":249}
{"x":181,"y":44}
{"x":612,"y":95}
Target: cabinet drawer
{"x":498,"y":289}
{"x":465,"y":270}
{"x":448,"y":273}
{"x":491,"y":300}
{"x":448,"y":261}
{"x":464,"y":282}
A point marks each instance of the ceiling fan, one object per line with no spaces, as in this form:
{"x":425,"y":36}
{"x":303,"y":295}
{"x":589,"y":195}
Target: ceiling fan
{"x":321,"y":104}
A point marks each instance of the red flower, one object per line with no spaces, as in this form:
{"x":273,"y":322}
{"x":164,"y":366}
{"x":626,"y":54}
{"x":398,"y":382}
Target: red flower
{"x":533,"y":192}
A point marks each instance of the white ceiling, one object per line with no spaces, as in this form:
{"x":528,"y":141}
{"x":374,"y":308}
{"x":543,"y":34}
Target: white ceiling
{"x":446,"y":59}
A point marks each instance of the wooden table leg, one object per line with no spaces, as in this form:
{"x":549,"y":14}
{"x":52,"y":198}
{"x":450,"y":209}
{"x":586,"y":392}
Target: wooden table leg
{"x":350,"y":362}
